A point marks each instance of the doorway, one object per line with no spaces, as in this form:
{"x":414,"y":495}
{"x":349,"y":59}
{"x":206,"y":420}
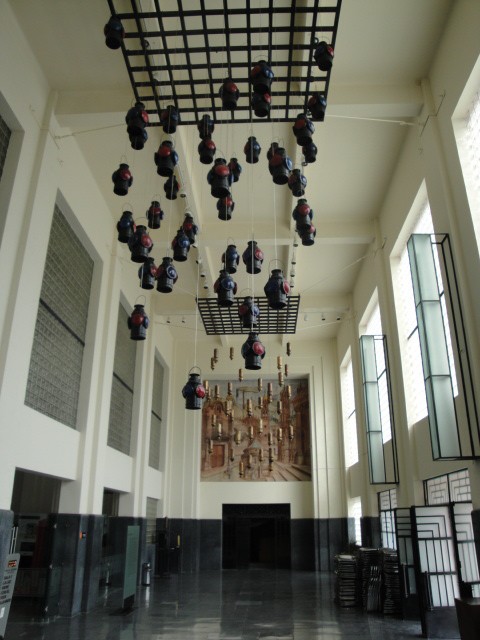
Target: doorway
{"x":256,"y":536}
{"x":34,"y":498}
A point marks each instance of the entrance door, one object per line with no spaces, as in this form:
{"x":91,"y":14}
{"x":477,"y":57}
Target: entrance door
{"x":256,"y":536}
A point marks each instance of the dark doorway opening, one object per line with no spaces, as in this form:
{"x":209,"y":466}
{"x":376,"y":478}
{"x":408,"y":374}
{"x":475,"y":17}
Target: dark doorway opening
{"x":34,"y":498}
{"x":256,"y":536}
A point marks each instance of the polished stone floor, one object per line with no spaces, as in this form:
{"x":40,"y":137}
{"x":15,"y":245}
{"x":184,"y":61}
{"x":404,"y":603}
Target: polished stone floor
{"x":229,"y":605}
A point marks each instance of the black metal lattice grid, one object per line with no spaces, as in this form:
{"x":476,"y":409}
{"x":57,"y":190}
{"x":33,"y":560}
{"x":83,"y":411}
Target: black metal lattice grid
{"x":5,"y":134}
{"x":180,"y":53}
{"x":219,"y":320}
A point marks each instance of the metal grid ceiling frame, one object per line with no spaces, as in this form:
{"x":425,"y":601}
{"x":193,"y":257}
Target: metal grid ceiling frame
{"x":180,"y":53}
{"x":226,"y":321}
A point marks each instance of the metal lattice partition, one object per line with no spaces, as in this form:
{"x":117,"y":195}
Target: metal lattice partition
{"x":226,"y":320}
{"x":5,"y":134}
{"x":179,"y":52}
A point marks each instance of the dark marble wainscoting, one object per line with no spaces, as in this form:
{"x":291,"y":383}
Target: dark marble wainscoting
{"x":183,"y":544}
{"x":313,"y":544}
{"x":370,"y":526}
{"x":6,"y":524}
{"x":117,"y":542}
{"x":302,"y":540}
{"x":476,"y":532}
{"x":332,"y":536}
{"x":68,"y":534}
{"x":211,"y":545}
{"x":73,"y":549}
{"x":93,"y":562}
{"x":188,"y":546}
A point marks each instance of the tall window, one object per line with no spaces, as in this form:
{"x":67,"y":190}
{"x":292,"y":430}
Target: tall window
{"x":5,"y":134}
{"x":121,"y":401}
{"x":373,"y":327}
{"x":411,"y":355}
{"x":372,"y":324}
{"x":349,"y":414}
{"x":355,"y":512}
{"x":53,"y":384}
{"x":408,"y":326}
{"x":156,"y":417}
{"x":469,"y":151}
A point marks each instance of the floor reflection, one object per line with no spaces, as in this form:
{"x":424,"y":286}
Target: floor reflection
{"x":229,"y":605}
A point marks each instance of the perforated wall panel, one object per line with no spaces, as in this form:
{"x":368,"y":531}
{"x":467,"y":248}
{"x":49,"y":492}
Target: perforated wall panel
{"x":121,"y":401}
{"x":53,"y":384}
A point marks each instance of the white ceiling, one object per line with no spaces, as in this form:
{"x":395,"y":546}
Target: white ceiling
{"x":383,"y":49}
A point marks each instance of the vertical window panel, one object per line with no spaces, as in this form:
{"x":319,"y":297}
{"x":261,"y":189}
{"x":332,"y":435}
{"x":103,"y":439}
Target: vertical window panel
{"x":382,"y":460}
{"x":349,"y":415}
{"x":452,"y":413}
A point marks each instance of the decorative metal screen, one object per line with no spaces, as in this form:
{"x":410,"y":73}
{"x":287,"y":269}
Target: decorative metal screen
{"x":151,"y":520}
{"x":5,"y":134}
{"x":156,"y":421}
{"x":121,"y":401}
{"x":179,"y":52}
{"x":465,"y":541}
{"x":53,"y":382}
{"x":226,"y":320}
{"x":387,"y":502}
{"x":436,"y":567}
{"x":450,"y":487}
{"x":382,"y":457}
{"x":403,"y":532}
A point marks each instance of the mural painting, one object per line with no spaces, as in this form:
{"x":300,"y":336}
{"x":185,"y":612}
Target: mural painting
{"x":256,"y":432}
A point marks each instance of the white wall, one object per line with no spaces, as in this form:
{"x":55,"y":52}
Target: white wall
{"x":429,"y":155}
{"x":42,"y":170}
{"x":47,"y":170}
{"x":323,"y":497}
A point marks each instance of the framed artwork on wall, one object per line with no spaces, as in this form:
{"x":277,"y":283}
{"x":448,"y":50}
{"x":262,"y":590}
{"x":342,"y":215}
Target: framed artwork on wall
{"x":256,"y":432}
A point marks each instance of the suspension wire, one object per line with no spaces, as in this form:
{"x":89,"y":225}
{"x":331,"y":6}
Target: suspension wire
{"x":331,"y":275}
{"x":273,"y":132}
{"x":196,"y":317}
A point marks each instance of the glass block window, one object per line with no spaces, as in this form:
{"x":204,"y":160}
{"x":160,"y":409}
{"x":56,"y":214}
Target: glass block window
{"x":121,"y":401}
{"x":355,"y":512}
{"x":473,"y":136}
{"x":152,"y":505}
{"x":387,"y":502}
{"x":349,"y":413}
{"x":53,"y":384}
{"x":468,"y":139}
{"x":5,"y":134}
{"x":450,"y":487}
{"x":156,"y":418}
{"x":373,"y":324}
